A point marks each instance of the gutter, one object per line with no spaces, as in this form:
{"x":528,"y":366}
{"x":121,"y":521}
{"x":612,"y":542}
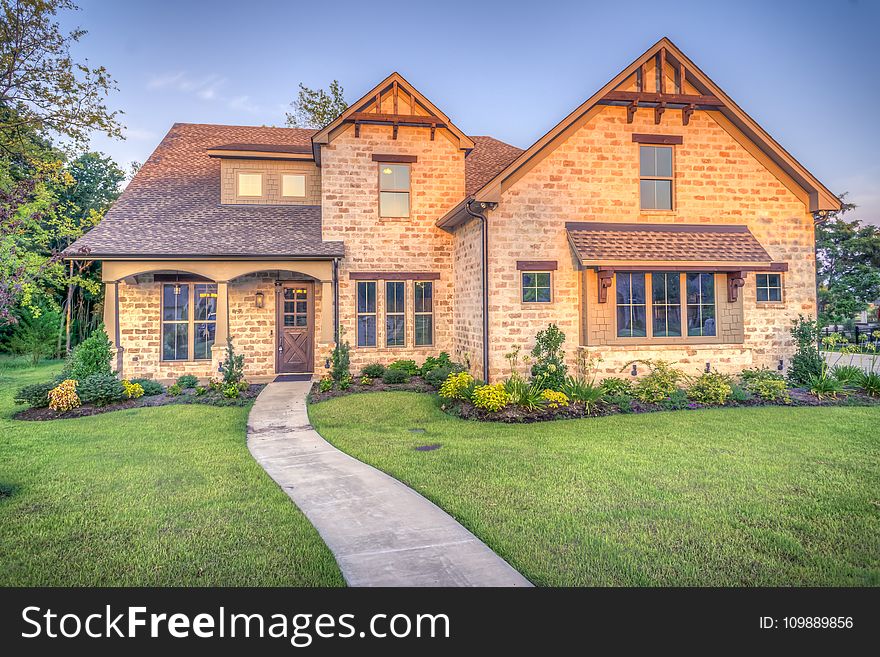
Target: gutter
{"x":484,"y":233}
{"x":336,"y":300}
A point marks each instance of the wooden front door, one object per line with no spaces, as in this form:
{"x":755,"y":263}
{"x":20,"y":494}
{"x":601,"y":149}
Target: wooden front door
{"x":295,"y":327}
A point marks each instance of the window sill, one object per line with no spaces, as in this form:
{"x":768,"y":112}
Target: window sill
{"x":770,"y":305}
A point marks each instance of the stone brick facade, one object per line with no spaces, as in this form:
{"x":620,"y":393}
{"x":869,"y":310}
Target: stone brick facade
{"x":467,"y":314}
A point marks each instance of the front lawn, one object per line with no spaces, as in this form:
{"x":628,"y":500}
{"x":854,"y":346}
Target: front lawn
{"x":770,"y":496}
{"x":164,"y":496}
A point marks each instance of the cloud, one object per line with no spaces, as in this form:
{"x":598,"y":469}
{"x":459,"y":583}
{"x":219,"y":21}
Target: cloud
{"x":206,"y":88}
{"x":139,"y":134}
{"x":243,"y":104}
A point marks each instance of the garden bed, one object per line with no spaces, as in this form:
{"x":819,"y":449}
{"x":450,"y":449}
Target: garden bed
{"x":415,"y":384}
{"x":187,"y":396}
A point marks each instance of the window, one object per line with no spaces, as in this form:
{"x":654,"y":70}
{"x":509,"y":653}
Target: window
{"x":423,"y":293}
{"x":631,"y":306}
{"x":393,"y":190}
{"x":655,"y":173}
{"x":666,"y":304}
{"x":295,"y":312}
{"x":769,"y":287}
{"x":250,"y":184}
{"x":189,"y":320}
{"x":701,"y":304}
{"x":366,"y":314}
{"x":293,"y":185}
{"x":395,"y":314}
{"x":536,"y":287}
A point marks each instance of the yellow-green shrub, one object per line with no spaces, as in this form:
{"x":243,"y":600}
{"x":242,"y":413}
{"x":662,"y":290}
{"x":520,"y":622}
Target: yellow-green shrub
{"x":63,"y":397}
{"x":132,"y":390}
{"x":491,"y":398}
{"x":456,"y":386}
{"x":710,"y":388}
{"x":555,"y":399}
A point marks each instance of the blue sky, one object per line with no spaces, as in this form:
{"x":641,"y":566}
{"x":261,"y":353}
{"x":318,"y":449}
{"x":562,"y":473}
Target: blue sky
{"x":806,"y":71}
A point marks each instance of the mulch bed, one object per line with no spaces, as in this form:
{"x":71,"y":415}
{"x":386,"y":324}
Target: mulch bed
{"x":415,"y":384}
{"x":210,"y":398}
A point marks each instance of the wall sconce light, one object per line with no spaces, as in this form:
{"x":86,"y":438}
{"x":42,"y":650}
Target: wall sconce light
{"x":708,"y":367}
{"x":261,"y":299}
{"x":634,"y":371}
{"x":326,"y":363}
{"x":779,"y":367}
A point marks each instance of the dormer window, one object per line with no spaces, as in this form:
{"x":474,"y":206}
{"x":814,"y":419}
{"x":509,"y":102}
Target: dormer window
{"x":293,"y":185}
{"x":250,"y":184}
{"x":393,"y":190}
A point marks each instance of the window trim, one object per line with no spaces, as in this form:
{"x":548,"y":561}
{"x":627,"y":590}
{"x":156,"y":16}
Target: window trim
{"x":684,"y":338}
{"x":423,"y":313}
{"x":407,"y":191}
{"x":781,"y":286}
{"x":401,"y":314}
{"x":358,"y":314}
{"x":671,"y":178}
{"x":305,"y":178}
{"x":522,"y":289}
{"x":190,"y":322}
{"x":249,"y":172}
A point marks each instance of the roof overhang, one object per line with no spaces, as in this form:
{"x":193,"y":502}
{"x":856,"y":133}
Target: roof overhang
{"x":185,"y":256}
{"x":259,"y":153}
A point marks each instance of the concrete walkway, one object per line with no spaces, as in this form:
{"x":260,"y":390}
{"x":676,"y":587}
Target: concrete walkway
{"x":381,"y":532}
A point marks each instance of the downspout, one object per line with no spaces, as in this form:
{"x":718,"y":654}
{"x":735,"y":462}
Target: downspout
{"x":336,"y":300}
{"x":484,"y":233}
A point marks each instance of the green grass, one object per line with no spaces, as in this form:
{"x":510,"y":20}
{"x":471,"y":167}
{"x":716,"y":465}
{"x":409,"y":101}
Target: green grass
{"x":767,"y":496}
{"x":165,"y":496}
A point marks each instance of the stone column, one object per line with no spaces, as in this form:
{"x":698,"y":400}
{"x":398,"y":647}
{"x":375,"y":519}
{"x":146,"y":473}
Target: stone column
{"x":218,"y":351}
{"x":111,"y":323}
{"x":326,"y":335}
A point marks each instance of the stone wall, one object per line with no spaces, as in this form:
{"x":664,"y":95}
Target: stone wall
{"x":467,"y":314}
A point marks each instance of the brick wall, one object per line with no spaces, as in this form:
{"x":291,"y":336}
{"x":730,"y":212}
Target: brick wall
{"x":467,"y":318}
{"x":594,"y":176}
{"x":350,"y":207}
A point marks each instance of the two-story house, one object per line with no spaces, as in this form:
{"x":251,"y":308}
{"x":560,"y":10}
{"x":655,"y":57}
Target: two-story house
{"x":657,"y":220}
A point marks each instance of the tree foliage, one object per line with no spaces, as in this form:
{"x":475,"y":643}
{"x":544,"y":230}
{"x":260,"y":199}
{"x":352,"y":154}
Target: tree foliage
{"x":316,"y":108}
{"x":847,"y":266}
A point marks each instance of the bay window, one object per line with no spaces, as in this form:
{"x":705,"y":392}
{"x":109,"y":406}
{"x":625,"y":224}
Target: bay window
{"x":669,"y":299}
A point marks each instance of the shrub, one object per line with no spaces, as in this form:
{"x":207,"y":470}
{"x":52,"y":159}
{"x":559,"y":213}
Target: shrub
{"x":35,"y":395}
{"x":457,"y":386}
{"x":408,"y":366}
{"x":101,"y":389}
{"x":243,"y":385}
{"x":231,"y":391}
{"x":658,"y":384}
{"x":232,"y":365}
{"x":525,"y":394}
{"x":739,"y":394}
{"x":373,"y":370}
{"x":132,"y":390}
{"x":823,"y":385}
{"x":710,"y":388}
{"x":848,"y":375}
{"x":676,"y":401}
{"x":175,"y":390}
{"x":772,"y":390}
{"x":35,"y":335}
{"x":555,"y":399}
{"x":326,"y":383}
{"x":63,"y":397}
{"x":394,"y":376}
{"x":91,"y":356}
{"x":366,"y":381}
{"x":341,"y":360}
{"x":870,"y":383}
{"x":432,"y":363}
{"x":579,"y":390}
{"x":187,"y":381}
{"x":615,"y":386}
{"x":622,"y":400}
{"x":215,"y":384}
{"x":345,"y":382}
{"x":437,"y":376}
{"x":151,"y":388}
{"x":201,"y":391}
{"x":807,"y":363}
{"x":492,"y":398}
{"x":760,"y":373}
{"x":549,"y":369}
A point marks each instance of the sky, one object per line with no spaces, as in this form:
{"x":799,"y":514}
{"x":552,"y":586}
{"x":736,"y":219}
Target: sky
{"x":806,"y":71}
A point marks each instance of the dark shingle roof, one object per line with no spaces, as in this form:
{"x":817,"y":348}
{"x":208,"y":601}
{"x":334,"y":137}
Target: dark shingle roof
{"x":486,"y":160}
{"x":266,"y":148}
{"x":610,"y":242}
{"x":172,"y":206}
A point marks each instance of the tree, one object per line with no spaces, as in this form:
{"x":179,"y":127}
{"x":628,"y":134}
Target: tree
{"x":42,"y":89}
{"x":34,"y":335}
{"x":315,"y":108}
{"x":847,"y":266}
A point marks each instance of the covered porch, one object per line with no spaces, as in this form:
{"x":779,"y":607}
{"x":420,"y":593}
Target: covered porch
{"x":166,"y":318}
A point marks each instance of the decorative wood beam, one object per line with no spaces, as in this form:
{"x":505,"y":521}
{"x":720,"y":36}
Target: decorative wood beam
{"x":681,"y":78}
{"x":394,"y":92}
{"x":657,"y":139}
{"x":433,"y":129}
{"x":631,"y":111}
{"x":402,"y":119}
{"x":394,"y":134}
{"x":537,"y":265}
{"x":658,"y":111}
{"x":379,"y":102}
{"x":394,"y":158}
{"x":357,"y":129}
{"x":686,"y":114}
{"x":662,"y":71}
{"x":394,"y":276}
{"x":672,"y":99}
{"x":606,"y":278}
{"x":644,"y":88}
{"x":735,"y":281}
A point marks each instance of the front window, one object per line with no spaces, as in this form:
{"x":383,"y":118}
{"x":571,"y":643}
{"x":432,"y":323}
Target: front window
{"x":536,"y":287}
{"x":395,"y":314}
{"x":666,"y":304}
{"x":631,"y":306}
{"x":655,"y":177}
{"x":250,"y":184}
{"x":394,"y":190}
{"x":189,"y":320}
{"x":366,"y":313}
{"x":423,"y":294}
{"x":701,"y":304}
{"x":769,"y":287}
